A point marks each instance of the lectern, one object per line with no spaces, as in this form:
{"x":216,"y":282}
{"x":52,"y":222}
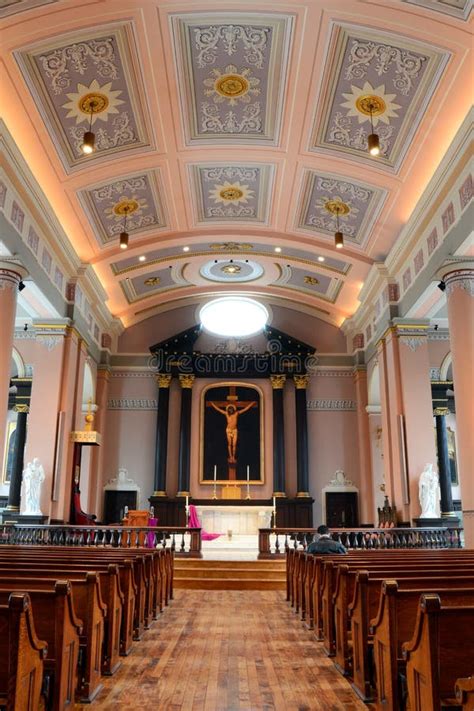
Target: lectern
{"x":88,"y":437}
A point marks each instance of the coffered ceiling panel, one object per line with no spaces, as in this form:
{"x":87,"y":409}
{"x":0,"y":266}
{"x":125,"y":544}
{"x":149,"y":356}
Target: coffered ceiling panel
{"x":11,"y":7}
{"x":232,"y":193}
{"x":77,"y":74}
{"x":134,"y":197}
{"x":231,"y":73}
{"x":146,"y":285}
{"x":391,"y":76}
{"x":326,"y":196}
{"x":456,"y":8}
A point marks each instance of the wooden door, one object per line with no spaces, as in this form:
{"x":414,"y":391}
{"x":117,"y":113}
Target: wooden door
{"x":342,"y":509}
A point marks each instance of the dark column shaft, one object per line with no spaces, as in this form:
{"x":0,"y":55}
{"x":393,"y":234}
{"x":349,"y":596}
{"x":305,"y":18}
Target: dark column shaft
{"x":278,"y":442}
{"x":17,"y":463}
{"x":443,"y":465}
{"x":161,"y":452}
{"x":184,"y":460}
{"x":301,"y":442}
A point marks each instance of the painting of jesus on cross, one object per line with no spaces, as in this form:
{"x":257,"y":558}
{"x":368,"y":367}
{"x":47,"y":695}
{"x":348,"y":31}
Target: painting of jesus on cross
{"x":231,"y":434}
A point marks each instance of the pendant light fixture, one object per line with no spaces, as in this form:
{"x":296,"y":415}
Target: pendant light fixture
{"x":88,"y":143}
{"x":373,"y":141}
{"x":124,"y":233}
{"x":338,"y":236}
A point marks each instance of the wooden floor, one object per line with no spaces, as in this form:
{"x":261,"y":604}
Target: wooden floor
{"x":225,"y":650}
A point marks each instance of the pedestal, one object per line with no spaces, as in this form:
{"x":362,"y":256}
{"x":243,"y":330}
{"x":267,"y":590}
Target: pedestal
{"x":429,"y":522}
{"x":25,"y":519}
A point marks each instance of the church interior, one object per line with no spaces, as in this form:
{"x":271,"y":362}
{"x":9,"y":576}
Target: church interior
{"x":236,"y":321}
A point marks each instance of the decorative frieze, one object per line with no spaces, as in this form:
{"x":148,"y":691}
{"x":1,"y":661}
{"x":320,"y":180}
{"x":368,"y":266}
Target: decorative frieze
{"x":132,"y":374}
{"x":132,"y":404}
{"x":333,"y":372}
{"x":435,"y":374}
{"x":461,"y":279}
{"x":331,"y":404}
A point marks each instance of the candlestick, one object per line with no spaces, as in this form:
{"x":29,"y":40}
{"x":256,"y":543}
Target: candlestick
{"x":248,"y":473}
{"x":215,"y":472}
{"x":274,"y":502}
{"x":214,"y":494}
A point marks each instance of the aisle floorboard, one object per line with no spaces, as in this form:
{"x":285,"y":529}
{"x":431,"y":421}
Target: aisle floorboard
{"x":223,"y":651}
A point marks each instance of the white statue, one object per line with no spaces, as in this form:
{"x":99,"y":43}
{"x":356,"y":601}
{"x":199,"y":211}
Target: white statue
{"x":33,"y":477}
{"x":429,"y":493}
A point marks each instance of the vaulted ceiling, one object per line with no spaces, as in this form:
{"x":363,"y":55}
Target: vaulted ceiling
{"x":229,"y":132}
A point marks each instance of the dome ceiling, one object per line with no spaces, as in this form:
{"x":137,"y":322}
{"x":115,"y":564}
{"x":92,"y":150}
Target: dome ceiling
{"x":239,"y":134}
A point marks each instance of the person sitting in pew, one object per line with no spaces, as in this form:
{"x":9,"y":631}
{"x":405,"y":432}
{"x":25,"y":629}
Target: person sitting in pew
{"x":325,"y":544}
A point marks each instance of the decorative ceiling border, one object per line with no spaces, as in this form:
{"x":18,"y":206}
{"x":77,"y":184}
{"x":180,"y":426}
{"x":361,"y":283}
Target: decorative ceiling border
{"x":14,"y":7}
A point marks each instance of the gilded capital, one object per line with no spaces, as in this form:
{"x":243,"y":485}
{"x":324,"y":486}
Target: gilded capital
{"x":163,"y":380}
{"x":187,"y":381}
{"x":21,"y":408}
{"x":301,"y":381}
{"x":441,"y":411}
{"x":278,"y":381}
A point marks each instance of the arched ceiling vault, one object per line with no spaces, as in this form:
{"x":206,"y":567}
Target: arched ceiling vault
{"x":232,"y":130}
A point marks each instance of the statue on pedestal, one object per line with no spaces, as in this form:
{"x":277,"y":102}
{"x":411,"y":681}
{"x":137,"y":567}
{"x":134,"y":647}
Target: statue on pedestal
{"x":33,"y":477}
{"x":429,"y":493}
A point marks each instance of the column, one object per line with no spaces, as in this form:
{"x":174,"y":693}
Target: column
{"x":96,"y":491}
{"x":18,"y":458}
{"x":11,"y":273}
{"x":161,"y":452}
{"x":407,"y":412}
{"x":279,"y":485}
{"x":302,"y":474}
{"x":184,"y":461}
{"x":459,"y":280}
{"x":443,"y":461}
{"x":366,"y":503}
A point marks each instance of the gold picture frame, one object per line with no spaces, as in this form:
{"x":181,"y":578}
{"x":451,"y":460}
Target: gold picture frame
{"x":237,"y":482}
{"x":8,"y":451}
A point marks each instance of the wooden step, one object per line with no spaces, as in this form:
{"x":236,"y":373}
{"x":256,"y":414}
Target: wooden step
{"x":229,"y":575}
{"x":228,"y":584}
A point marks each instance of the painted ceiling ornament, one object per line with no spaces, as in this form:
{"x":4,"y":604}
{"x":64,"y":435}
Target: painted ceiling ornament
{"x":232,"y":85}
{"x":362,"y":101}
{"x":311,"y":280}
{"x":335,"y":206}
{"x":98,"y":101}
{"x":231,"y":193}
{"x":231,"y":269}
{"x":253,"y":39}
{"x":152,"y":281}
{"x":231,"y":246}
{"x":126,"y":206}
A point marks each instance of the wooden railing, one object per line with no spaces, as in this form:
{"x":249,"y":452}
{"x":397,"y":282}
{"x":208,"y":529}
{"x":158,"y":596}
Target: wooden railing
{"x":276,"y":541}
{"x":182,"y":540}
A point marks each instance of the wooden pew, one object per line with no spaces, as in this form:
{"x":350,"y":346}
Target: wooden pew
{"x":440,"y":651}
{"x":394,"y":625}
{"x":465,"y":693}
{"x":88,"y":604}
{"x":364,"y":608}
{"x":22,"y":655}
{"x":110,"y":592}
{"x":57,"y":624}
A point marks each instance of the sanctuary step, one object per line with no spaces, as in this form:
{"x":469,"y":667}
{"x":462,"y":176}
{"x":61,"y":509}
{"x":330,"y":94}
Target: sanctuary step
{"x":229,"y":575}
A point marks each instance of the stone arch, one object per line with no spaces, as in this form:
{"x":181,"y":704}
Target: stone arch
{"x":446,"y":369}
{"x":374,"y":387}
{"x":88,"y":388}
{"x":17,"y":369}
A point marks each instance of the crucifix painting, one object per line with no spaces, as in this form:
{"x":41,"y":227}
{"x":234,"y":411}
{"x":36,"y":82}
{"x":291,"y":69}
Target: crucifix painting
{"x":231,"y":434}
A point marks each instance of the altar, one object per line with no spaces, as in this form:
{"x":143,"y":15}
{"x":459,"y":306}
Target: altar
{"x":241,"y":520}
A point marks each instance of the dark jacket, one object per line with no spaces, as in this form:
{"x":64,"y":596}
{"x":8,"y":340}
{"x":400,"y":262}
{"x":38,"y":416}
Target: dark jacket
{"x":325,"y":545}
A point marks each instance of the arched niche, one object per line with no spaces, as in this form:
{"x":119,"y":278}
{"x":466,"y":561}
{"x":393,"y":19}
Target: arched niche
{"x":374,"y":387}
{"x":17,"y":369}
{"x":446,"y":369}
{"x":88,"y":388}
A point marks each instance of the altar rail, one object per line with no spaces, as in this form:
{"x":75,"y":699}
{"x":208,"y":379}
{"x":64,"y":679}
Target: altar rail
{"x":276,"y":541}
{"x":182,"y":540}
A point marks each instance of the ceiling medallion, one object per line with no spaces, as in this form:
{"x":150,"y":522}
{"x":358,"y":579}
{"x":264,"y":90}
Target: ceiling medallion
{"x":231,"y":269}
{"x":231,"y":85}
{"x":126,"y":207}
{"x":311,"y":280}
{"x":93,"y":103}
{"x":231,"y":194}
{"x":152,"y":281}
{"x":231,"y":246}
{"x":367,"y":103}
{"x":337,"y":207}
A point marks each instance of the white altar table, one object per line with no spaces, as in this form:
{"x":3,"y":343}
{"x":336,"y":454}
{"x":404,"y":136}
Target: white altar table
{"x":243,"y":520}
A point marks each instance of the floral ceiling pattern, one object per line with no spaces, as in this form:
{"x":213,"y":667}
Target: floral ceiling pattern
{"x":131,"y":203}
{"x":382,"y":83}
{"x":228,"y":193}
{"x":328,"y":202}
{"x":88,"y":78}
{"x":231,"y":74}
{"x":456,"y":8}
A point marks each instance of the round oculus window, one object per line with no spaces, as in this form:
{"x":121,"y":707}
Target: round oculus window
{"x":233,"y":316}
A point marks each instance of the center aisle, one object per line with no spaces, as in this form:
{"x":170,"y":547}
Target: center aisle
{"x":223,"y":651}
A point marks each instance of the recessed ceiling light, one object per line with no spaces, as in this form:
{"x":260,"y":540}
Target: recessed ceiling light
{"x":185,"y":249}
{"x":142,"y":258}
{"x":321,"y":259}
{"x":277,"y":249}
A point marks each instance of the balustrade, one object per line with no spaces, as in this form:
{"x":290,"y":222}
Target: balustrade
{"x":182,"y":540}
{"x":276,"y":541}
